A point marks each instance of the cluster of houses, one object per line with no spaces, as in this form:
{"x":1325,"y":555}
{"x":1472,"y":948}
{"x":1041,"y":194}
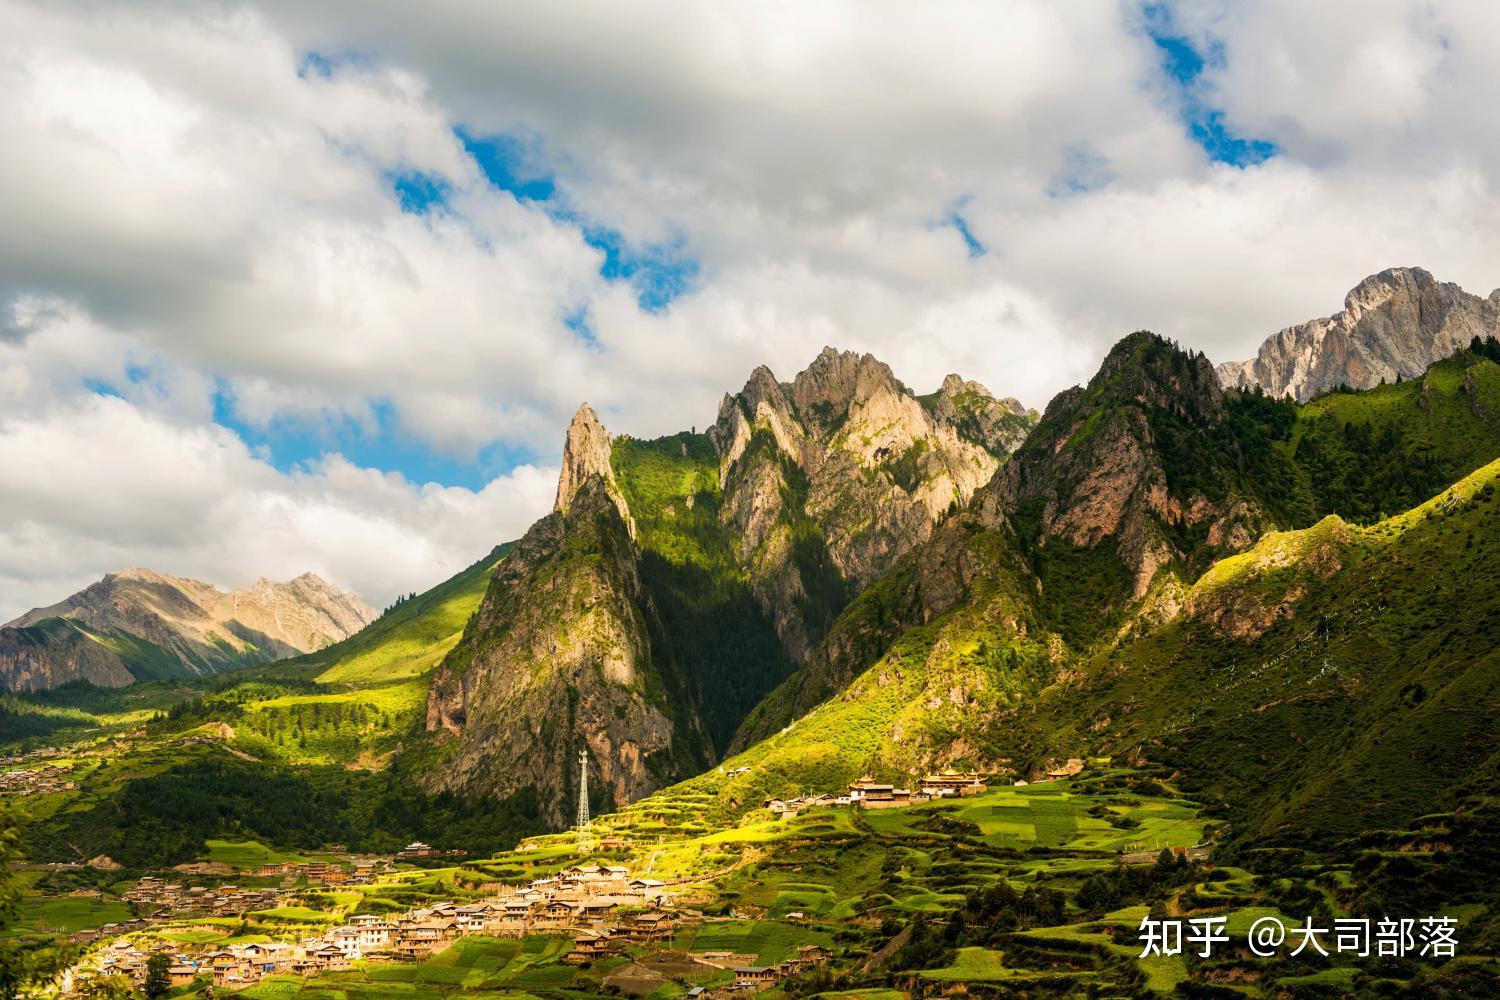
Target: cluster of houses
{"x":123,"y":958}
{"x":871,"y":794}
{"x":602,"y":905}
{"x":110,"y":930}
{"x":41,"y":753}
{"x":36,"y":781}
{"x":174,"y":900}
{"x":417,"y":849}
{"x":411,"y":936}
{"x":760,"y":977}
{"x":361,"y":871}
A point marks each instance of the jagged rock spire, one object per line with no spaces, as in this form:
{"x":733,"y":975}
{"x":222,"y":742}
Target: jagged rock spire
{"x":586,"y":453}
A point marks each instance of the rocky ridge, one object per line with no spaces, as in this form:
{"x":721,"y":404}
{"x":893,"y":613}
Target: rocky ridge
{"x":1393,"y":325}
{"x":559,"y":658}
{"x":845,"y":460}
{"x":140,"y":624}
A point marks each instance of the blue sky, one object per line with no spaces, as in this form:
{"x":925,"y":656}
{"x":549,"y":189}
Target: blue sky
{"x":1183,"y":62}
{"x":658,"y":274}
{"x":419,"y":237}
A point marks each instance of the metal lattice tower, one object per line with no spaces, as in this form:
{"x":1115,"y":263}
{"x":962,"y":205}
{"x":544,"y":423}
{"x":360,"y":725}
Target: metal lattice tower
{"x":585,"y":832}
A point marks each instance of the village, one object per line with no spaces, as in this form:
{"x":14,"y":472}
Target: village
{"x":603,"y":908}
{"x":36,"y":780}
{"x":867,"y":793}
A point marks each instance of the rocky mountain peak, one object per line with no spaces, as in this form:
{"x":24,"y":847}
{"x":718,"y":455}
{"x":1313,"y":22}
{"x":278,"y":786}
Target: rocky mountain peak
{"x":587,"y":453}
{"x":1154,"y":372}
{"x":171,"y":624}
{"x":837,"y":382}
{"x":1093,"y":471}
{"x":997,"y":425}
{"x":1394,"y":324}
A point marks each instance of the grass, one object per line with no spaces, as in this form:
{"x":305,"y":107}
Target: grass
{"x":770,"y":941}
{"x":973,"y":965}
{"x":412,"y":638}
{"x":248,"y":854}
{"x":67,"y":914}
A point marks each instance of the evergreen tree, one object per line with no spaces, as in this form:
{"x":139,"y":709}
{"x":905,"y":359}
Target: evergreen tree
{"x":158,"y":981}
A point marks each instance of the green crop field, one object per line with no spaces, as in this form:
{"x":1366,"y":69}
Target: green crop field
{"x":69,"y":913}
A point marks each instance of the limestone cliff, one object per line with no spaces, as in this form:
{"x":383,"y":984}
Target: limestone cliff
{"x":560,"y":657}
{"x":140,"y":624}
{"x":829,"y":479}
{"x":1393,"y":324}
{"x":586,"y":453}
{"x":1099,"y":467}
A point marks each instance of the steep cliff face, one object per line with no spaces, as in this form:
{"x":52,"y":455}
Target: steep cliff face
{"x":1393,"y":324}
{"x":559,"y":657}
{"x":1136,"y":459}
{"x":587,"y":454}
{"x":139,"y":624}
{"x":830,"y":479}
{"x":678,"y":581}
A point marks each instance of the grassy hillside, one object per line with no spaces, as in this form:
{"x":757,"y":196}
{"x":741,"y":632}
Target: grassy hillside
{"x":410,"y":638}
{"x":1367,"y":455}
{"x":1321,"y":681}
{"x":1328,"y":681}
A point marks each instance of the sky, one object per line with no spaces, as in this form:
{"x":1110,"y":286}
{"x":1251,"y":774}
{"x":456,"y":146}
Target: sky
{"x":290,"y":287}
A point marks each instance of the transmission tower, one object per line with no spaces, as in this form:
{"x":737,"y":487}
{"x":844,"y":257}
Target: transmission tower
{"x":585,"y":832}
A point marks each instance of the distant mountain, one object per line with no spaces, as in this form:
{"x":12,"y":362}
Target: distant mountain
{"x":139,"y":624}
{"x":1393,"y":325}
{"x":679,"y":580}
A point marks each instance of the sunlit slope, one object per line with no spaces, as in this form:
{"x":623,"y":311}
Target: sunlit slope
{"x":409,"y":639}
{"x":1328,"y":681}
{"x":1333,"y":679}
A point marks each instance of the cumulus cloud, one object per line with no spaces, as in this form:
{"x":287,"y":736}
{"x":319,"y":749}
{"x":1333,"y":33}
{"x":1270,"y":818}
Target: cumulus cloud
{"x":101,"y":483}
{"x":204,"y":232}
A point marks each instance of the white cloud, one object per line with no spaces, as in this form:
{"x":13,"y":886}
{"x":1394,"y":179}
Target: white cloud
{"x":101,"y":483}
{"x":186,"y":211}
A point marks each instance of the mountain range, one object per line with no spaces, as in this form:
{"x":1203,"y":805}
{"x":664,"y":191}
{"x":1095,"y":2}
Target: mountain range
{"x":1247,"y":618}
{"x":840,"y":576}
{"x":139,"y":624}
{"x":678,"y":581}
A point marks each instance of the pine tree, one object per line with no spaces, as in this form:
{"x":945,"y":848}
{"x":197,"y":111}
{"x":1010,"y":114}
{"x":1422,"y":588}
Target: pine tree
{"x":158,"y":980}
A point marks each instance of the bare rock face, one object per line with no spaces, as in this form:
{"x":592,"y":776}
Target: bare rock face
{"x":997,"y":425}
{"x":1393,"y":324}
{"x":831,"y":478}
{"x":559,"y":658}
{"x":586,"y":453}
{"x":1094,"y":471}
{"x":139,"y":623}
